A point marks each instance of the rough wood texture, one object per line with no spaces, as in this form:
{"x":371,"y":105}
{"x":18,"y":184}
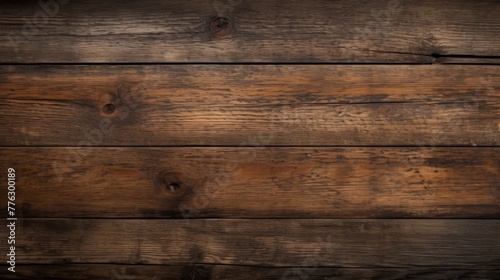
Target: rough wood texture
{"x":155,"y":99}
{"x":268,"y":242}
{"x":232,"y":272}
{"x":300,"y":105}
{"x":250,"y":182}
{"x":257,"y":31}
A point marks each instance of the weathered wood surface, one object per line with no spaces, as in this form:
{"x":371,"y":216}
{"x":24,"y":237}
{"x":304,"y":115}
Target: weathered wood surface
{"x":268,"y":242}
{"x":251,"y":182}
{"x":155,"y":183}
{"x":231,"y":272}
{"x":208,"y":105}
{"x":383,"y":31}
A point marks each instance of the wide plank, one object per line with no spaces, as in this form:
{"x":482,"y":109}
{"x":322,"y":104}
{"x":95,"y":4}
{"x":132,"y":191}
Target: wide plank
{"x":254,"y":182}
{"x":387,"y":31}
{"x":308,"y":271}
{"x":250,"y":105}
{"x":267,"y":242}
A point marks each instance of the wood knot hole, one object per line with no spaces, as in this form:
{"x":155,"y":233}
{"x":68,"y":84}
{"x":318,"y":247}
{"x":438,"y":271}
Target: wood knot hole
{"x":221,"y":27}
{"x":109,"y":109}
{"x":174,"y":187}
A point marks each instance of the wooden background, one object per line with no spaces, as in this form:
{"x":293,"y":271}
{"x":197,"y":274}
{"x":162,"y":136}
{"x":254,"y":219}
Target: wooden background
{"x":238,"y":139}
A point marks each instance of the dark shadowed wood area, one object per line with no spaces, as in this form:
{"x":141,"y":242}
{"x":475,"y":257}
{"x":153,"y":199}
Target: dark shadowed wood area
{"x":231,"y":272}
{"x":250,"y":139}
{"x":281,"y":243}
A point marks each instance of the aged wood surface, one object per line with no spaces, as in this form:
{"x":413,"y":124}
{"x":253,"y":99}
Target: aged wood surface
{"x":252,"y":182}
{"x":383,"y":31}
{"x":308,"y":271}
{"x":268,"y":242}
{"x":207,"y":105}
{"x":251,"y":139}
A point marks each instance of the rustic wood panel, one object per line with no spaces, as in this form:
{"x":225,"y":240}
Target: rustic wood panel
{"x":251,"y":31}
{"x":268,"y":242}
{"x":251,"y":139}
{"x":232,"y":272}
{"x":250,"y":182}
{"x":186,"y":105}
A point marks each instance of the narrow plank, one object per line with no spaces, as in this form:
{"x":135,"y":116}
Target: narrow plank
{"x":230,"y":272}
{"x":402,"y":31}
{"x":209,"y":105}
{"x":467,"y":60}
{"x":268,"y":242}
{"x":252,"y":182}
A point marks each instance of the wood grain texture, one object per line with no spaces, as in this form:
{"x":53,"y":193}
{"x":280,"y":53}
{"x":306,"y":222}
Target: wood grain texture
{"x":251,"y":182}
{"x":207,"y":105}
{"x":268,"y":242}
{"x":251,"y":139}
{"x":232,"y":272}
{"x":383,"y":31}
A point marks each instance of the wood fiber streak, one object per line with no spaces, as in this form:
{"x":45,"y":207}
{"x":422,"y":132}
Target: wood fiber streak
{"x":250,"y":182}
{"x":208,"y":105}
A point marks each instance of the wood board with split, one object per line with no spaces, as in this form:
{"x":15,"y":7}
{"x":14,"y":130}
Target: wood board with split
{"x":240,"y":31}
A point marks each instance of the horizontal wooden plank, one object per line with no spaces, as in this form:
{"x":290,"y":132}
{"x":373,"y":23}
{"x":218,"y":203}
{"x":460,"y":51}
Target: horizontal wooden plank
{"x":247,"y":31}
{"x":466,"y":60}
{"x":208,"y":105}
{"x":268,"y":242}
{"x":249,"y":183}
{"x":231,"y":272}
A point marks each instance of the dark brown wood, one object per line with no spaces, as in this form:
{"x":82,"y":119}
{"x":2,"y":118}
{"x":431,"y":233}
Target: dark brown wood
{"x":467,"y":60}
{"x":187,"y":105}
{"x":251,"y":182}
{"x":273,"y":139}
{"x":469,"y":244}
{"x":232,"y":272}
{"x":384,"y":31}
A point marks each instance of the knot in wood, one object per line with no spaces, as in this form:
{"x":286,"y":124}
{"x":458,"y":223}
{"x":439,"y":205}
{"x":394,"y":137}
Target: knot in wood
{"x":221,"y":27}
